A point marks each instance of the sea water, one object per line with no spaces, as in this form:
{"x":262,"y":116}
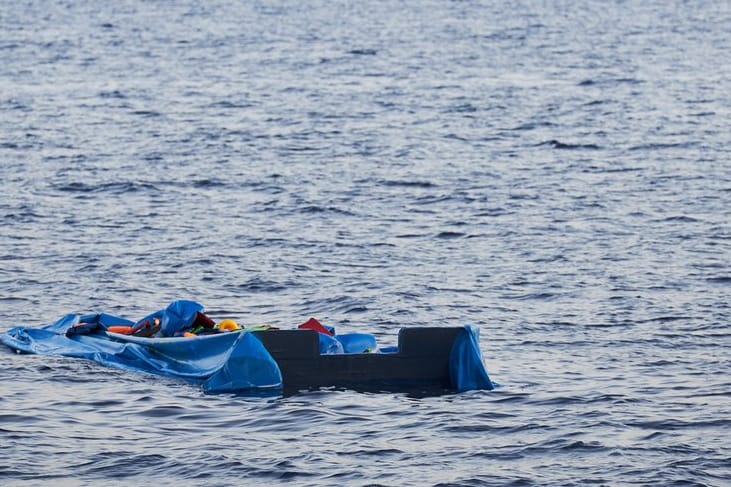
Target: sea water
{"x":556,"y":173}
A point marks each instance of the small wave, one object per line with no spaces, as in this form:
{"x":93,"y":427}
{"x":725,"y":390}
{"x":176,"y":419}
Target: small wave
{"x":680,"y":219}
{"x":560,"y":400}
{"x":356,"y":309}
{"x":609,"y":81}
{"x":593,"y":169}
{"x":229,"y":105}
{"x":325,"y":209}
{"x":463,"y":108}
{"x":147,"y":113}
{"x":448,"y":235}
{"x":113,"y":94}
{"x":666,"y":319}
{"x":663,"y":146}
{"x":428,"y":200}
{"x":377,"y":452}
{"x":153,"y":157}
{"x":14,"y":299}
{"x":703,"y":114}
{"x":556,"y":144}
{"x":406,"y":183}
{"x":363,"y":52}
{"x":208,"y":183}
{"x":120,"y":465}
{"x":536,"y":297}
{"x":341,"y":304}
{"x":13,"y":104}
{"x":550,"y":258}
{"x":162,"y":412}
{"x":262,"y":285}
{"x":494,"y":212}
{"x":120,"y":187}
{"x":719,"y":280}
{"x":676,"y":424}
{"x":22,"y":214}
{"x":20,"y":419}
{"x":532,"y":126}
{"x":300,"y":148}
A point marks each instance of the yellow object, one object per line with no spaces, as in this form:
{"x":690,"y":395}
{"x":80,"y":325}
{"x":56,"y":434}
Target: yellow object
{"x":228,"y":325}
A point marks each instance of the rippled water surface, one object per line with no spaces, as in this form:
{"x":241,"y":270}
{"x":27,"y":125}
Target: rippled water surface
{"x":556,"y":173}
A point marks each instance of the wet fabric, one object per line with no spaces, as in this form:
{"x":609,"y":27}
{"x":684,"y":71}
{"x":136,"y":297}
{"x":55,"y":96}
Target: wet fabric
{"x":174,"y":319}
{"x":222,"y":362}
{"x":357,"y":342}
{"x":466,"y":367}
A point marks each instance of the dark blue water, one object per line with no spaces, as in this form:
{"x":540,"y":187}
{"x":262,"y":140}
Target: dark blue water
{"x":558,"y":173}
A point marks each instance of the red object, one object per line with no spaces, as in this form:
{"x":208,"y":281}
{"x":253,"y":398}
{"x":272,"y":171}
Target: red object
{"x":123,"y":329}
{"x":203,"y":320}
{"x":313,"y":324}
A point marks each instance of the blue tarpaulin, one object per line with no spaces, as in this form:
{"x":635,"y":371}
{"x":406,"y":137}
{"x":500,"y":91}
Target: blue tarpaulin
{"x":207,"y":360}
{"x":466,"y":368}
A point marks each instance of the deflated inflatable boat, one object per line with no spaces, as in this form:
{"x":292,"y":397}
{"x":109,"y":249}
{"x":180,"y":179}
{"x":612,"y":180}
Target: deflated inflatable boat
{"x":181,"y":341}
